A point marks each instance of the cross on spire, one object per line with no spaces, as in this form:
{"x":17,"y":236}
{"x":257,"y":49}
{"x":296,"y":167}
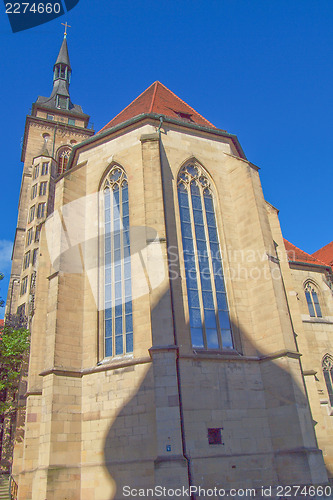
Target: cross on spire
{"x":66,"y":26}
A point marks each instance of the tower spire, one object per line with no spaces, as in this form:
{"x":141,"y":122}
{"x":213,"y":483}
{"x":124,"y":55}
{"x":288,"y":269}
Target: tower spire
{"x":61,"y":77}
{"x":59,"y":99}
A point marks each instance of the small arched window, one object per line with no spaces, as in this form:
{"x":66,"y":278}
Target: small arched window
{"x":63,"y":157}
{"x":327,"y":366}
{"x":118,"y":322}
{"x":207,"y":299}
{"x":312,"y":300}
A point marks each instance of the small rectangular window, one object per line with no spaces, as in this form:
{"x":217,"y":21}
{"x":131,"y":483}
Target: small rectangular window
{"x":45,"y":168}
{"x":26,"y":262}
{"x":50,"y":117}
{"x":29,"y":236}
{"x":34,"y":191}
{"x":71,"y":121}
{"x":32,"y":214}
{"x":34,"y":256}
{"x":62,"y":102}
{"x":42,"y":188}
{"x":36,"y":172}
{"x":215,"y":436}
{"x":37,"y":233}
{"x":24,"y":285}
{"x":41,"y":210}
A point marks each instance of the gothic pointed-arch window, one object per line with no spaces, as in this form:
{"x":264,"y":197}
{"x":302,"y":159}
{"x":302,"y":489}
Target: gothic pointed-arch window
{"x":312,"y":300}
{"x":63,"y":157}
{"x":118,"y":322}
{"x":327,"y":365}
{"x":207,"y":300}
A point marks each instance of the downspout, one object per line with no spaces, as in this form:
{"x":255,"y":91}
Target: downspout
{"x":182,"y":427}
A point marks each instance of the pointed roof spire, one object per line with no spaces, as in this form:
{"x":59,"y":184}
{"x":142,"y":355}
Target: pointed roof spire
{"x":63,"y":57}
{"x":60,"y":97}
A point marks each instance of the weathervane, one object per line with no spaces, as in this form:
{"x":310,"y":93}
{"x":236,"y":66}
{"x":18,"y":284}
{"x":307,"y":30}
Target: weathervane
{"x":66,"y":26}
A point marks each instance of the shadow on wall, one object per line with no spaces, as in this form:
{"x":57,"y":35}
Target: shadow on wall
{"x":258,"y":407}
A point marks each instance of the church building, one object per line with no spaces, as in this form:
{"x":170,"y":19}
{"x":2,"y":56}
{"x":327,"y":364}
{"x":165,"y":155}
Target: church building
{"x":177,"y":340}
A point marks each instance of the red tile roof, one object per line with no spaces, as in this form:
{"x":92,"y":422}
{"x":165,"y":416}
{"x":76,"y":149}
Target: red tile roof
{"x":297,"y":255}
{"x":160,"y":100}
{"x":325,"y":254}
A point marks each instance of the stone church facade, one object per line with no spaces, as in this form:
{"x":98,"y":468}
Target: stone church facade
{"x":176,"y":338}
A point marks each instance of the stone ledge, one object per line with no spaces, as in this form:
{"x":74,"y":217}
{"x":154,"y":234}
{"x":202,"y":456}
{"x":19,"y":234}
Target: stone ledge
{"x":113,"y":365}
{"x":166,"y":459}
{"x":149,"y":137}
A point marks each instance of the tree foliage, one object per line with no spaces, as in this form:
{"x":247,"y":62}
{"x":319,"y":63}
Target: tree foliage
{"x":14,"y":344}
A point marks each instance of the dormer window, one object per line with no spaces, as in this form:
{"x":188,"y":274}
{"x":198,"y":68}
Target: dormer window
{"x":62,"y":102}
{"x":184,"y":116}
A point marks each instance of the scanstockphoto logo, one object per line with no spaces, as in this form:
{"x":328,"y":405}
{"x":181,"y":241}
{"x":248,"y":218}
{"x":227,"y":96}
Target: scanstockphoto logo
{"x":26,"y":15}
{"x":79,"y":242}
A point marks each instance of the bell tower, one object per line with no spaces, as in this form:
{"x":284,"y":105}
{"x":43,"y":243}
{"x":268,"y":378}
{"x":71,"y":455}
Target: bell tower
{"x":54,"y":126}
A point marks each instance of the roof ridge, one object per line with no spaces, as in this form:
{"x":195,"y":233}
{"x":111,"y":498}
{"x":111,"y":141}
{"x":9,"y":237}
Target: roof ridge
{"x":154,"y":95}
{"x":325,"y":252}
{"x":303,"y":251}
{"x":183,"y":102}
{"x":130,"y":104}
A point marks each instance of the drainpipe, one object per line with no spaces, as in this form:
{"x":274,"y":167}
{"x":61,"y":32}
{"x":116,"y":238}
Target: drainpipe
{"x":182,"y":428}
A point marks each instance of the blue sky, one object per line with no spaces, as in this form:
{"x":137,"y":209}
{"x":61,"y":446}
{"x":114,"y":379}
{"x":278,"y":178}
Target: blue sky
{"x":260,"y":69}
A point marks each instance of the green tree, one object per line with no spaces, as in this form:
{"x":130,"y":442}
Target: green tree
{"x":14,"y":344}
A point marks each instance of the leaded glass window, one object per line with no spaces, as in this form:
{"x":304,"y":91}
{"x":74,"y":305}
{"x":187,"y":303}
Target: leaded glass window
{"x":63,"y":157}
{"x":312,"y":301}
{"x":327,"y":365}
{"x":207,"y":300}
{"x":118,"y":321}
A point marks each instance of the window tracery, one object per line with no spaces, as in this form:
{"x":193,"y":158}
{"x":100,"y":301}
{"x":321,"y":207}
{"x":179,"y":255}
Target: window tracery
{"x":312,"y":300}
{"x":63,"y":157}
{"x":207,"y":299}
{"x":118,"y":320}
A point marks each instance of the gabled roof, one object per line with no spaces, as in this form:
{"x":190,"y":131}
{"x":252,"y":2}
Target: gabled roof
{"x":158,"y":99}
{"x":297,"y":255}
{"x":325,"y":254}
